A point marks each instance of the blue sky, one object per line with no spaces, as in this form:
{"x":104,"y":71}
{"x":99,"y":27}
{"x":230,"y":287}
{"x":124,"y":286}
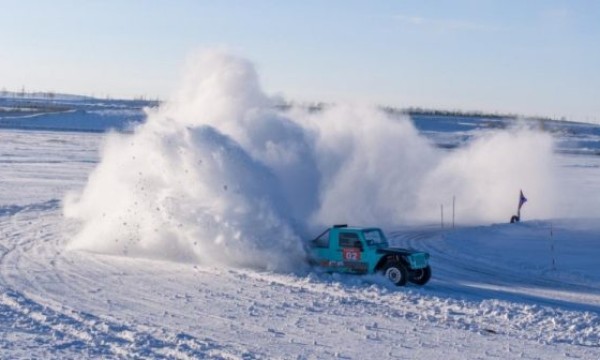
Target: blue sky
{"x":530,"y":57}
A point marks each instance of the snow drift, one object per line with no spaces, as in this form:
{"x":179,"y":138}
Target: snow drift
{"x":217,"y":175}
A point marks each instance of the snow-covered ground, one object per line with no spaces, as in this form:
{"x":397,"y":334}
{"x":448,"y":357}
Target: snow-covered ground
{"x":69,"y":113}
{"x":494,"y":294}
{"x":181,"y":238}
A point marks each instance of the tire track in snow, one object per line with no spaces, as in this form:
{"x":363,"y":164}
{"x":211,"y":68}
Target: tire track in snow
{"x":11,"y":210}
{"x":565,"y":312}
{"x":374,"y":297}
{"x":61,"y":330}
{"x":462,"y":272}
{"x":71,"y":331}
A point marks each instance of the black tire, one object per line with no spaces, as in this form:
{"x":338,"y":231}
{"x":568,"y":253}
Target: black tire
{"x":396,"y":273}
{"x":420,"y":276}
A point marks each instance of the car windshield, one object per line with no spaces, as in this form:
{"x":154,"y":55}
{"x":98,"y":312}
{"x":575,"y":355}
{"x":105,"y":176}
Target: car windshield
{"x":375,"y":237}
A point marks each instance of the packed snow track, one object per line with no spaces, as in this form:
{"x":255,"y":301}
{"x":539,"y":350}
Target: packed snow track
{"x":489,"y":297}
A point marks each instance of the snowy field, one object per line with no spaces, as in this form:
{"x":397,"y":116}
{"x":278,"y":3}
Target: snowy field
{"x":523,"y":291}
{"x":494,"y":293}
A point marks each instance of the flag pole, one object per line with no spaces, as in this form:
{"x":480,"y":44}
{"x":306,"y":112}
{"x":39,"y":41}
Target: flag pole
{"x":453,"y":201}
{"x":519,"y":205}
{"x":442,"y":213}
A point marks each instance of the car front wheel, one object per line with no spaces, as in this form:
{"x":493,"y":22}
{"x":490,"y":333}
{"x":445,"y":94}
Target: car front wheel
{"x":396,"y":273}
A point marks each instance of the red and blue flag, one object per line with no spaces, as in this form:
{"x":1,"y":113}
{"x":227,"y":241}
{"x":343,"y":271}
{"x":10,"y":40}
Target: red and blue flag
{"x":522,"y":199}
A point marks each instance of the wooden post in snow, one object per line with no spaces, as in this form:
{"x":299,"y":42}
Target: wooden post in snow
{"x":453,"y":202}
{"x":552,"y":247}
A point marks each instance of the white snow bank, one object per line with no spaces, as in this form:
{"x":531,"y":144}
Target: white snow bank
{"x":216,"y":175}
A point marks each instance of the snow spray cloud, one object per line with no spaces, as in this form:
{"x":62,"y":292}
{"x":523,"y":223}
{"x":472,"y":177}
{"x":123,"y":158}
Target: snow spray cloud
{"x":218,"y":176}
{"x":370,"y":166}
{"x":485,"y":178}
{"x":198,"y":181}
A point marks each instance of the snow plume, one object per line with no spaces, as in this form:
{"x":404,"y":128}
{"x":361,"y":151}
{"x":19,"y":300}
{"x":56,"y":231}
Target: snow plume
{"x":371,"y":166}
{"x":485,"y":178}
{"x":198,"y":181}
{"x":218,"y":176}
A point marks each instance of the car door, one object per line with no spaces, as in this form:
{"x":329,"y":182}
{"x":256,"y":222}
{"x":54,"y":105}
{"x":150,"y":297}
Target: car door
{"x":321,"y":252}
{"x":350,"y":252}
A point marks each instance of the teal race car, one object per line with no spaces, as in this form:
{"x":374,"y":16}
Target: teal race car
{"x":360,"y":250}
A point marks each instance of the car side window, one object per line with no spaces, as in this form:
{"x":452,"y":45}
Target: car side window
{"x":349,"y":240}
{"x":322,"y":241}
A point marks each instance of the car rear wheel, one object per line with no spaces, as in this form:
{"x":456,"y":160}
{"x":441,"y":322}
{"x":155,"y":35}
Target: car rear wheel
{"x":396,"y":273}
{"x":420,"y":276}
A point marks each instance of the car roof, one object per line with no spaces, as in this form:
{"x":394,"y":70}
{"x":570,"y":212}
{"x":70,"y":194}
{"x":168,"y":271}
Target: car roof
{"x":357,"y":228}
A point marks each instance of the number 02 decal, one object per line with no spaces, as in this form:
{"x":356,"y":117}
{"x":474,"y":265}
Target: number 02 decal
{"x":351,"y":254}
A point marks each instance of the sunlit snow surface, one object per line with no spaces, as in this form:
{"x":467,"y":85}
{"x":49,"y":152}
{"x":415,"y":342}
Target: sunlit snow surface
{"x":498,"y":290}
{"x":177,"y":232}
